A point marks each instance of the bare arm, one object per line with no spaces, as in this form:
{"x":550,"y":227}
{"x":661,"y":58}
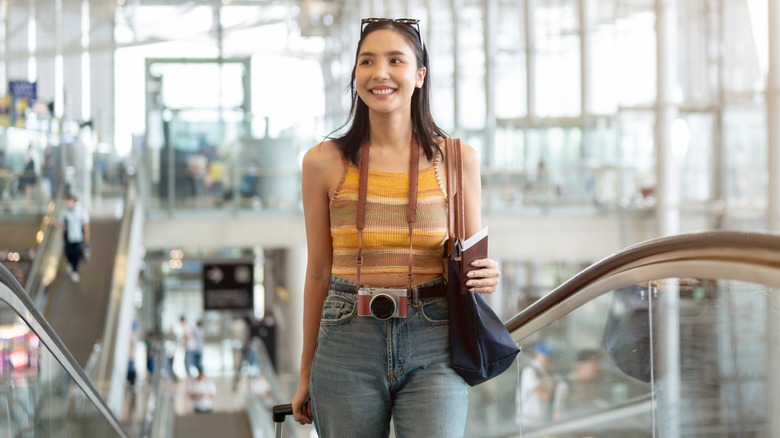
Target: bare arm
{"x":484,"y":279}
{"x":317,"y":177}
{"x":86,"y":233}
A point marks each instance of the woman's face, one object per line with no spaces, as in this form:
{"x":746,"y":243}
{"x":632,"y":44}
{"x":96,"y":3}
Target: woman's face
{"x":386,"y":72}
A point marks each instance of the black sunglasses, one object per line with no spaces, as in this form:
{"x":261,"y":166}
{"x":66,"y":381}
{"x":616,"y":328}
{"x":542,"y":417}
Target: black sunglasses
{"x":413,"y":22}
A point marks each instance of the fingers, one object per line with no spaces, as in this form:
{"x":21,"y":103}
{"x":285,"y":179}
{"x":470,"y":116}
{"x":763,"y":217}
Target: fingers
{"x":484,"y":279}
{"x":302,"y":414}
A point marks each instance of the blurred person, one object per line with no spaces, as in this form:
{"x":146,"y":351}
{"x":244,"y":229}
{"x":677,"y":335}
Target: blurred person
{"x":190,"y":344}
{"x":74,"y":219}
{"x":247,"y":360}
{"x":199,"y":342}
{"x":586,"y":389}
{"x":202,"y":391}
{"x":360,"y":373}
{"x":28,"y":181}
{"x":169,"y":348}
{"x":49,"y":171}
{"x":541,"y":389}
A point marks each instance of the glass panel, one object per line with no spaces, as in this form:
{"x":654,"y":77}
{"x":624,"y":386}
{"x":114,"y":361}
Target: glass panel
{"x":37,"y":396}
{"x":471,"y":86}
{"x":697,"y":33}
{"x":635,"y":52}
{"x":745,"y":33}
{"x":744,"y":142}
{"x":510,"y":62}
{"x":558,"y":53}
{"x":673,"y":357}
{"x":692,"y":141}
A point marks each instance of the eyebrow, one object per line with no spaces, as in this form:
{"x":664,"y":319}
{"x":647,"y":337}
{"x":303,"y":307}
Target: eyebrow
{"x":390,"y":53}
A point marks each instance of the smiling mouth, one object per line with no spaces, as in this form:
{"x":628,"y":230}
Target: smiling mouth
{"x":383,"y":91}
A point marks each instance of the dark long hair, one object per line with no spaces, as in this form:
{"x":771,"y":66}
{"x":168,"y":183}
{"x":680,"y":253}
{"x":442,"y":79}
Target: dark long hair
{"x":424,"y":128}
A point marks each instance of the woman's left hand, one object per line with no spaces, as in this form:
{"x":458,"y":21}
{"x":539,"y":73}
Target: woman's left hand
{"x":483,"y":279}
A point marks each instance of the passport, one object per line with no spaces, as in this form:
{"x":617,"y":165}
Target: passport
{"x":473,"y":248}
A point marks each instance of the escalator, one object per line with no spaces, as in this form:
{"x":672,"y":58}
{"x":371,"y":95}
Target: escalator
{"x":18,"y":234}
{"x":227,"y":424}
{"x":684,"y":332}
{"x":83,"y":323}
{"x":77,"y":311}
{"x":43,"y":390}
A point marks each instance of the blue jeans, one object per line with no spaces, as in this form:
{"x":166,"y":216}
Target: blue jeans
{"x":367,"y":371}
{"x":73,"y":252}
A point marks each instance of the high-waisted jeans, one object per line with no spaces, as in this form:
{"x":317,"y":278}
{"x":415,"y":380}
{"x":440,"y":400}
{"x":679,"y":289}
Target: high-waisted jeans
{"x":367,"y":371}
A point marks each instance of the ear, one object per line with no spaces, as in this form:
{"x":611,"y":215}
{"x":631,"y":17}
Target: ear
{"x":421,"y":77}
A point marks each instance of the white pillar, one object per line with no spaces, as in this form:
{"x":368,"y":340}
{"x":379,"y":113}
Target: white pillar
{"x":773,"y":119}
{"x":71,"y":59}
{"x":291,"y":339}
{"x":101,"y":53}
{"x":667,"y":185}
{"x":773,"y":210}
{"x":17,"y":41}
{"x":667,"y":386}
{"x":46,"y":38}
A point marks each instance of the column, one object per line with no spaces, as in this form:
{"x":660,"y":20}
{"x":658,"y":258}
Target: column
{"x":3,"y":39}
{"x":667,"y":216}
{"x":489,"y":29}
{"x":773,"y":118}
{"x":46,"y":37}
{"x":16,"y":41}
{"x":773,"y":210}
{"x":290,"y":358}
{"x":101,"y":65}
{"x":71,"y":59}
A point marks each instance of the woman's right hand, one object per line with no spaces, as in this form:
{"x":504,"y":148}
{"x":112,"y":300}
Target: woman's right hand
{"x":301,"y":405}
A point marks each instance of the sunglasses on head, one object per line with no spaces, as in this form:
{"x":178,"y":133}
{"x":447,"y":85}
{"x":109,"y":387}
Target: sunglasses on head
{"x":413,"y":22}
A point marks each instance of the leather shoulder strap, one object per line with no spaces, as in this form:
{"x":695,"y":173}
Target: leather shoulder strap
{"x":454,"y":164}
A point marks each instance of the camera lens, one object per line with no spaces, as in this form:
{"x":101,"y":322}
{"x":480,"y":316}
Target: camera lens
{"x":382,"y":306}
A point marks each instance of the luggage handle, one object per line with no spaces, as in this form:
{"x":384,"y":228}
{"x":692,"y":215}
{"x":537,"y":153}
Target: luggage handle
{"x":281,"y":412}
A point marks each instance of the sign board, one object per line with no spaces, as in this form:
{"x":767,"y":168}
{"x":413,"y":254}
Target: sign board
{"x":228,"y":285}
{"x":23,"y":89}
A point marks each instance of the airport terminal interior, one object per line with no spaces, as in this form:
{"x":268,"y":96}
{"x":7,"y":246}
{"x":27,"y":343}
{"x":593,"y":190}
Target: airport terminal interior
{"x":629,"y":153}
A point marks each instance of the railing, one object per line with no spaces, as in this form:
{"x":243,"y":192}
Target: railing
{"x":671,"y":337}
{"x":49,"y":251}
{"x":43,"y":390}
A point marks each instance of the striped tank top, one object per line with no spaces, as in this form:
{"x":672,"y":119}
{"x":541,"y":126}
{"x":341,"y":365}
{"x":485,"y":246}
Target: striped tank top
{"x":386,"y":232}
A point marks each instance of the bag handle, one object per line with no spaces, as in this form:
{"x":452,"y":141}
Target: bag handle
{"x":454,"y":162}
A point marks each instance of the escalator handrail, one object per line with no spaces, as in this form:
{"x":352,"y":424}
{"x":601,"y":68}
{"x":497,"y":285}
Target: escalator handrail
{"x":28,"y":311}
{"x":46,"y":233}
{"x":759,"y":248}
{"x":107,"y":339}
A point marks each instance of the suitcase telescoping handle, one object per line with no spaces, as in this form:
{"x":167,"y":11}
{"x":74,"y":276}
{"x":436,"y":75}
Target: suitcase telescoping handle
{"x":282,"y":411}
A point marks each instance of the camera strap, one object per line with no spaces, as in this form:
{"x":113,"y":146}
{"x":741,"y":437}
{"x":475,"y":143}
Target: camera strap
{"x":411,"y":210}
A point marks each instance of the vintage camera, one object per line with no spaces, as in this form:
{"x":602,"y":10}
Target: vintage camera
{"x":382,"y":303}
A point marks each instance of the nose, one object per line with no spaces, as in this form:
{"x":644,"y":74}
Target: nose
{"x":379,"y":71}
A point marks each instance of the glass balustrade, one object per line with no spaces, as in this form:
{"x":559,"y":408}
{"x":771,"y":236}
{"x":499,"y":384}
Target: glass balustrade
{"x":43,"y":392}
{"x":674,"y":344}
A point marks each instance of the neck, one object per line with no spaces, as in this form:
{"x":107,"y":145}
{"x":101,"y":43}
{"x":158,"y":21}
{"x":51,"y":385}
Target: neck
{"x":390,"y":132}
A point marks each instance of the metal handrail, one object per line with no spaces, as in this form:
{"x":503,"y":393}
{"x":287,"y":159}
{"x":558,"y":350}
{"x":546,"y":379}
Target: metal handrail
{"x":13,"y":294}
{"x":750,"y":247}
{"x":45,"y":236}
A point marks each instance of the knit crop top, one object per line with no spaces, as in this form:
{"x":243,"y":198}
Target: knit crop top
{"x":386,"y":232}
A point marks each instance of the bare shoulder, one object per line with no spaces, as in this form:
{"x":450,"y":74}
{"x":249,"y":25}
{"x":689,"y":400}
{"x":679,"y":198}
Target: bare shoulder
{"x":322,"y":157}
{"x":323,"y":164}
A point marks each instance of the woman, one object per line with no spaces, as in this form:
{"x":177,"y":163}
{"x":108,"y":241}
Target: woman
{"x":359,"y":370}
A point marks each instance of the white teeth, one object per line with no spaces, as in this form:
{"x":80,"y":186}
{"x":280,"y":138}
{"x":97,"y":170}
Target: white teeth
{"x":384,"y":91}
